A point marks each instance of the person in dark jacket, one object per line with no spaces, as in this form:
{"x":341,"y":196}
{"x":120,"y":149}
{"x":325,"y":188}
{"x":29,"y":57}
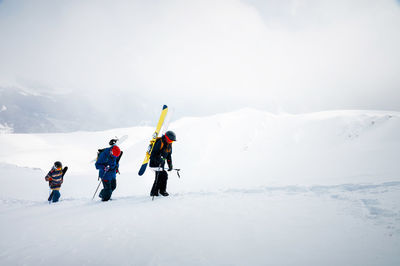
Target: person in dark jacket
{"x":55,"y":177}
{"x":107,"y":164}
{"x":162,"y":151}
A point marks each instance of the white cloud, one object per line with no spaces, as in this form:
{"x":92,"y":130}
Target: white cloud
{"x":296,"y":55}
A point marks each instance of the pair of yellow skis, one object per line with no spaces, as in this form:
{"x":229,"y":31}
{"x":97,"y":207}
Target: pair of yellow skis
{"x":153,"y":140}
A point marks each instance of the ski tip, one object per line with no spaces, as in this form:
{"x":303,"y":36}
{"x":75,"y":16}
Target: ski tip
{"x":122,"y":139}
{"x":165,"y":107}
{"x":142,"y":169}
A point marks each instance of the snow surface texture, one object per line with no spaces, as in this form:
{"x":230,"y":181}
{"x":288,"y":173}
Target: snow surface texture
{"x":255,"y":189}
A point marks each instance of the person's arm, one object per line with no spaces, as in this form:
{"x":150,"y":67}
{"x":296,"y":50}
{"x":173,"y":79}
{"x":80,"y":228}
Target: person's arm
{"x":48,"y":176}
{"x":118,"y":159}
{"x":113,"y":165}
{"x":169,"y":160}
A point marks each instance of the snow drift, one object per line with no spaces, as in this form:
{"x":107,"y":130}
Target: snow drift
{"x":256,"y":189}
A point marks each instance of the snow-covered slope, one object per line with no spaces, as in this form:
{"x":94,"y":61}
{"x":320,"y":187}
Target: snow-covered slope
{"x":256,"y":189}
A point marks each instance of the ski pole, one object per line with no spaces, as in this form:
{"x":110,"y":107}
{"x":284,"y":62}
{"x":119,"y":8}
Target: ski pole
{"x":96,"y":190}
{"x":177,"y":172}
{"x":99,"y":184}
{"x":50,"y":198}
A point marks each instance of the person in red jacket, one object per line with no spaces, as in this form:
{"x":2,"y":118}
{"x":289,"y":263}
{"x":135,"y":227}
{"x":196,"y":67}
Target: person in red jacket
{"x":55,"y":178}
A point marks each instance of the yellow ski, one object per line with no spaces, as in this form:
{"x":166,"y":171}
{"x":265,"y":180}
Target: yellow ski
{"x":153,"y":140}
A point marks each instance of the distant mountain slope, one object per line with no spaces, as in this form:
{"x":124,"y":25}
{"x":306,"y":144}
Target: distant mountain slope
{"x":22,"y":111}
{"x":253,"y":147}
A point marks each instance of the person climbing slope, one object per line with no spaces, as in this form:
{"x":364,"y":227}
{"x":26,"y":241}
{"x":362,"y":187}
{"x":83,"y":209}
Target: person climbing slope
{"x":162,"y":152}
{"x":108,"y":164}
{"x":55,"y":177}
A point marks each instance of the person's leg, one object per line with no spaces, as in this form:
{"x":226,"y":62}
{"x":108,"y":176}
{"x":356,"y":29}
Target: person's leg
{"x":106,"y":192}
{"x":155,"y":188}
{"x":56,"y":195}
{"x":113,"y":184}
{"x":163,"y":177}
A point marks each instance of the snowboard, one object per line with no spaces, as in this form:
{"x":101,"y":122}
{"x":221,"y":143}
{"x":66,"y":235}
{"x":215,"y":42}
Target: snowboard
{"x":153,"y":140}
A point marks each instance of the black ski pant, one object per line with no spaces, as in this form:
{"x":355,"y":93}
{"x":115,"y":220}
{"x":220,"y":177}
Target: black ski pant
{"x":108,"y":188}
{"x":160,"y":183}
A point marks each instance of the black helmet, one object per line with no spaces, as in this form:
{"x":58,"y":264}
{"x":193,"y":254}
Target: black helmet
{"x":171,"y":135}
{"x":58,"y":164}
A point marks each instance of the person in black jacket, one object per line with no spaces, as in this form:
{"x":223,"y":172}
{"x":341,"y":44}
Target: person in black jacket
{"x":162,"y":151}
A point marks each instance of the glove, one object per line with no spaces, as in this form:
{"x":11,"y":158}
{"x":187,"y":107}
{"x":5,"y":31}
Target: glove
{"x":106,"y":168}
{"x":170,"y":168}
{"x":50,"y":179}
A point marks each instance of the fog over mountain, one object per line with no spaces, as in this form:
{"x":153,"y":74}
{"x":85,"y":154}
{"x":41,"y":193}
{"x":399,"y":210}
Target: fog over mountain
{"x":121,"y":61}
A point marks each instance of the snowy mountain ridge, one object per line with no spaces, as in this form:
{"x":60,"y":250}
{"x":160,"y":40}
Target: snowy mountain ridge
{"x":256,"y":189}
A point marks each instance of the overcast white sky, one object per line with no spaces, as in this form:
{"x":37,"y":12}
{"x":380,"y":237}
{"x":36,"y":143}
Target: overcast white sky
{"x":289,"y":55}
